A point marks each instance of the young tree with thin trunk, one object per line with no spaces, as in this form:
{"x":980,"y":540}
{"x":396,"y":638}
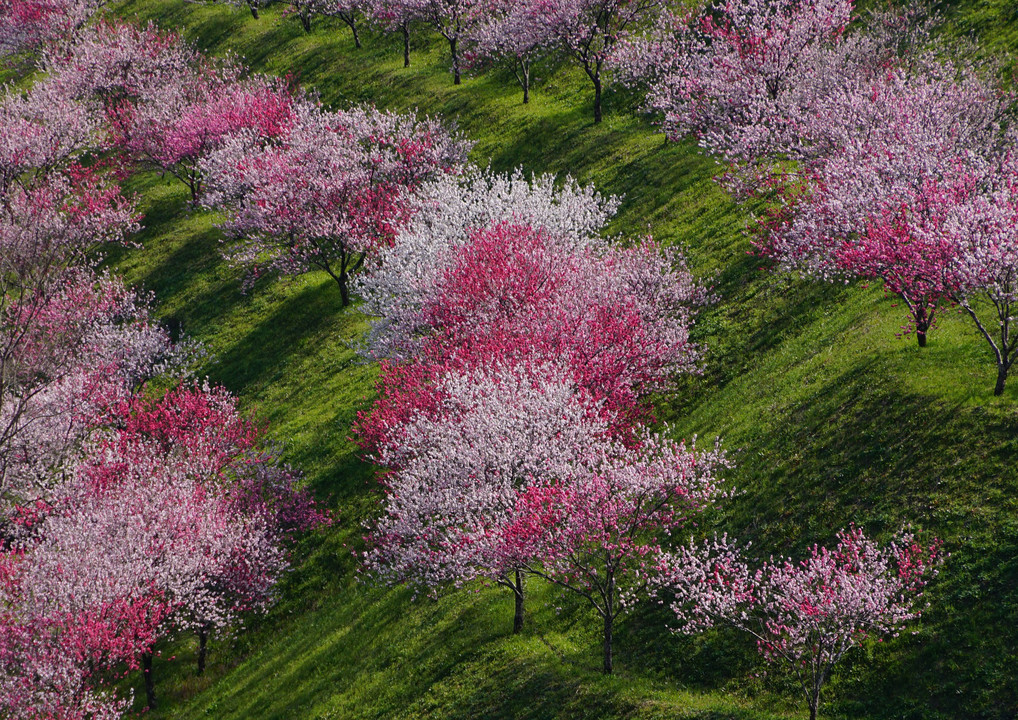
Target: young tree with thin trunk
{"x":598,"y":531}
{"x":351,"y":12}
{"x":397,"y":16}
{"x":807,"y":615}
{"x":589,"y":30}
{"x":508,"y":36}
{"x":452,"y":19}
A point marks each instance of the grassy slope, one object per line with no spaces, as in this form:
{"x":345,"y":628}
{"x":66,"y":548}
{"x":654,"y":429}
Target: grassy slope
{"x":832,"y":419}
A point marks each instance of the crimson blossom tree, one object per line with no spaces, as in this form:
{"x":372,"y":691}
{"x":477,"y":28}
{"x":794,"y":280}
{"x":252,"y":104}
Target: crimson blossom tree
{"x":806,"y":615}
{"x":589,"y":30}
{"x":598,"y":531}
{"x":620,"y":318}
{"x":331,"y":188}
{"x":405,"y":276}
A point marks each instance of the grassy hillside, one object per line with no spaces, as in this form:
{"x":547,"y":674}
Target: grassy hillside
{"x":830,"y":418}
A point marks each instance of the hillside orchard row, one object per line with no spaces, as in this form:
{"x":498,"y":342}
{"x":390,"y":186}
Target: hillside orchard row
{"x":519,"y":345}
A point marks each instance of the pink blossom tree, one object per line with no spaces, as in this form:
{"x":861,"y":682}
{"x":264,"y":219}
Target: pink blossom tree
{"x":452,"y":19}
{"x":804,"y":615}
{"x":44,"y":132}
{"x":329,"y":190}
{"x":456,"y":462}
{"x":27,"y":25}
{"x":176,"y":497}
{"x":978,"y":225}
{"x":509,"y":36}
{"x":69,"y":363}
{"x":67,"y":338}
{"x":53,"y":660}
{"x":873,"y":209}
{"x":111,"y":63}
{"x":395,"y":16}
{"x":177,"y":125}
{"x":742,"y":76}
{"x":589,"y":30}
{"x":597,"y":532}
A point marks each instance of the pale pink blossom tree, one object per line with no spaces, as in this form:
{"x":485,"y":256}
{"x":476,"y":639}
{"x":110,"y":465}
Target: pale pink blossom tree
{"x":589,"y":30}
{"x":804,"y":615}
{"x":333,"y":187}
{"x":508,"y":36}
{"x":742,"y":76}
{"x":110,"y":63}
{"x":456,"y":462}
{"x":393,"y":16}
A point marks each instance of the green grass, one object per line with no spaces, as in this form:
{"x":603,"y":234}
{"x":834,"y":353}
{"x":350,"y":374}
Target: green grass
{"x":829,"y":417}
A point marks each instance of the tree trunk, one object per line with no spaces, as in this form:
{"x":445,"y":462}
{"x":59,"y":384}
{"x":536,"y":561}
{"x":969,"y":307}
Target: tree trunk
{"x":597,"y":96}
{"x":518,"y":594}
{"x":526,"y":85}
{"x":455,"y":61}
{"x":920,"y":335}
{"x":254,"y":10}
{"x":356,"y":37}
{"x":609,"y":665}
{"x":203,"y":647}
{"x":344,"y":289}
{"x":998,"y":390}
{"x":150,"y":688}
{"x":406,"y":47}
{"x":305,"y":20}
